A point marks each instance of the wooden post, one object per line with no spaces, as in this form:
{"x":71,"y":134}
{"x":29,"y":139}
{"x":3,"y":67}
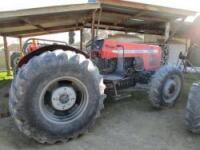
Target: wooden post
{"x":7,"y":57}
{"x":167,"y":31}
{"x":188,"y":47}
{"x":99,"y":20}
{"x":20,"y":44}
{"x":81,"y":39}
{"x":93,"y":26}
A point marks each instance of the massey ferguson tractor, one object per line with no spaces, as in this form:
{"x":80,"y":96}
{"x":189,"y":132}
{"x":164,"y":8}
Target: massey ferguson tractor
{"x":58,"y":91}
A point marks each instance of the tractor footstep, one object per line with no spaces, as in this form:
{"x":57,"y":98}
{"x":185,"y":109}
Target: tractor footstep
{"x":121,"y":97}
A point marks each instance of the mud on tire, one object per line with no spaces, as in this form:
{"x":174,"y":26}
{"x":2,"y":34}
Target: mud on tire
{"x":192,"y":114}
{"x":14,"y":58}
{"x":35,"y":96}
{"x":165,"y":86}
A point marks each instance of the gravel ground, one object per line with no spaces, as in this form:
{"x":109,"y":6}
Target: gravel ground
{"x":127,"y":124}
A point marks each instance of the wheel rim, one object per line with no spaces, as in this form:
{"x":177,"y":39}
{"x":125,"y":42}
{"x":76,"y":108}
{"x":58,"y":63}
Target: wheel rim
{"x":63,"y":100}
{"x":171,"y":89}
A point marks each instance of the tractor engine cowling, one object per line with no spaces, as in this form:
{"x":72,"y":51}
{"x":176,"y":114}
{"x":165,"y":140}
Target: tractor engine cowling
{"x":136,"y":57}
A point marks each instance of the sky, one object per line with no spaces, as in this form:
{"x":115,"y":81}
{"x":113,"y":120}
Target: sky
{"x":7,"y":5}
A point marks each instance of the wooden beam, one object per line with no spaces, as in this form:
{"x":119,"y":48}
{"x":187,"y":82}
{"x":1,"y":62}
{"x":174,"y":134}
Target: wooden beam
{"x":48,"y":10}
{"x":98,"y":21}
{"x":64,"y":28}
{"x":167,"y":31}
{"x":7,"y":56}
{"x":125,"y":19}
{"x":124,"y":15}
{"x":20,"y":44}
{"x":50,"y":32}
{"x":147,"y":7}
{"x":137,"y":28}
{"x":14,"y":23}
{"x":39,"y":20}
{"x":35,"y":25}
{"x":93,"y":28}
{"x":81,"y":39}
{"x":49,"y":29}
{"x":128,"y":29}
{"x":93,"y":25}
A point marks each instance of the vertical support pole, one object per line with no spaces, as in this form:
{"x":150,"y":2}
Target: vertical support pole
{"x":188,"y":48}
{"x":167,"y":32}
{"x":188,"y":43}
{"x":20,"y":44}
{"x":93,"y":26}
{"x":7,"y":57}
{"x":99,"y":20}
{"x":81,"y":39}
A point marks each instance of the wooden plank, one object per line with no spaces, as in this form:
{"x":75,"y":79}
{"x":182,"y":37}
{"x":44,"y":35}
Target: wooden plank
{"x":12,"y":23}
{"x":48,"y":10}
{"x":26,"y":20}
{"x":49,"y":29}
{"x":58,"y":30}
{"x":103,"y":25}
{"x":39,"y":20}
{"x":7,"y":56}
{"x":154,"y":26}
{"x":125,"y":19}
{"x":35,"y":25}
{"x":34,"y":32}
{"x":123,"y":15}
{"x":128,"y":29}
{"x":147,"y":7}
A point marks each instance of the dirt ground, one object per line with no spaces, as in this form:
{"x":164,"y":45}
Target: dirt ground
{"x":124,"y":125}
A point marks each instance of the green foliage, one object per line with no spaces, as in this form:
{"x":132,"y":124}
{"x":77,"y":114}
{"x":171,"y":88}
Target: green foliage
{"x":4,"y":79}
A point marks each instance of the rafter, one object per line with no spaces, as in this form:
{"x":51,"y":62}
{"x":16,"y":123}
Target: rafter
{"x":49,"y":29}
{"x":140,"y":16}
{"x":126,"y":18}
{"x":35,"y":25}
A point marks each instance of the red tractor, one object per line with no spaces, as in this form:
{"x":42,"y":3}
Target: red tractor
{"x":59,"y":91}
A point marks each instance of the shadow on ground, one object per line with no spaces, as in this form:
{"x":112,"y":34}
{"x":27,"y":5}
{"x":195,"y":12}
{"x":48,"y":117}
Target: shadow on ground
{"x":4,"y":94}
{"x":126,"y":124}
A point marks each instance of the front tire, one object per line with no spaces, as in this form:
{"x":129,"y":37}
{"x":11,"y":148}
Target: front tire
{"x":165,"y":86}
{"x":56,"y":96}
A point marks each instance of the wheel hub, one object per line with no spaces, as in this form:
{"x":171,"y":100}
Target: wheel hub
{"x":169,"y":88}
{"x":63,"y":98}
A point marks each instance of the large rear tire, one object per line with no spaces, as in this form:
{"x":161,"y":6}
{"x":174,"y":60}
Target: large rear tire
{"x":56,"y":96}
{"x":165,"y":86}
{"x":192,"y":115}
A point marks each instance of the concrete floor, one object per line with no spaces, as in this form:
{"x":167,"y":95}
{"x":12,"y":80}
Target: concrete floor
{"x":123,"y":125}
